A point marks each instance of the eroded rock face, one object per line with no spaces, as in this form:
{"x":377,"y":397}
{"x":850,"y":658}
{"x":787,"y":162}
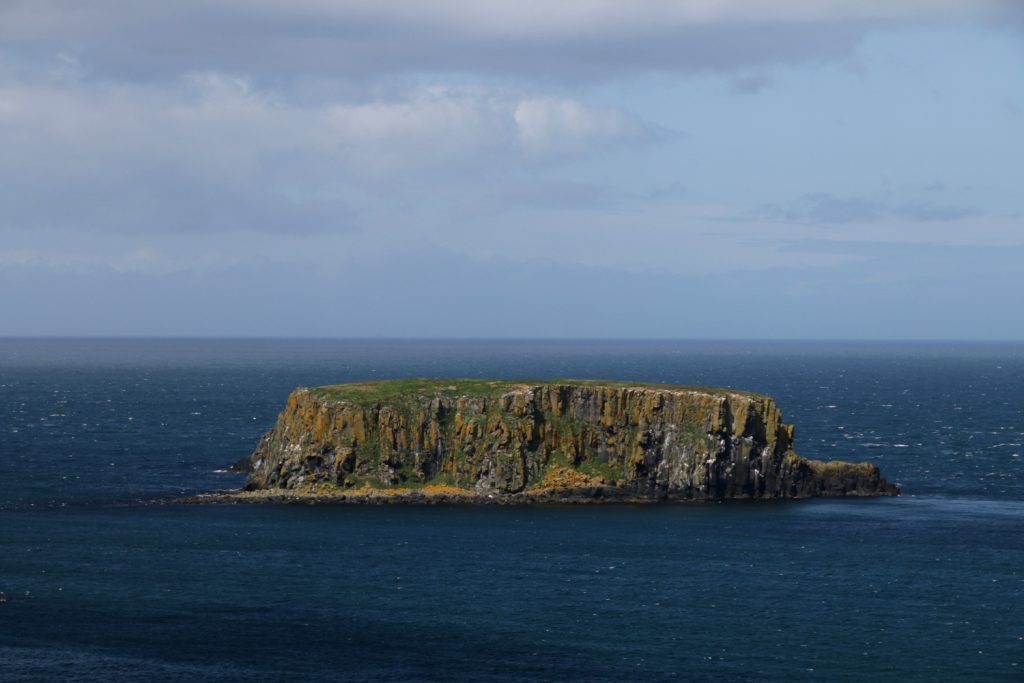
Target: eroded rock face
{"x":654,"y":442}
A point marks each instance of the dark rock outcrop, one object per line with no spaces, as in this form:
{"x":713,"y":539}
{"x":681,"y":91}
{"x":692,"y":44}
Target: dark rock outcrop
{"x":546,"y":439}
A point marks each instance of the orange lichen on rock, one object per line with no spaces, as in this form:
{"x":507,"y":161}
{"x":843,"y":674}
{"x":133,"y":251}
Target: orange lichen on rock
{"x":566,"y":478}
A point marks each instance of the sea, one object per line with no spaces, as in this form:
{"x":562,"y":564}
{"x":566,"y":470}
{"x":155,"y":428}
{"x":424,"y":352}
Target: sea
{"x":100,"y":584}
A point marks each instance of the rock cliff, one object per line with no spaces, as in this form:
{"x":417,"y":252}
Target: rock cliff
{"x":530,"y":439}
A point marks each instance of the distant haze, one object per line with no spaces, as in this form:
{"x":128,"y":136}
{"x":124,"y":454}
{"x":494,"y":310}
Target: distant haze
{"x":691,"y":169}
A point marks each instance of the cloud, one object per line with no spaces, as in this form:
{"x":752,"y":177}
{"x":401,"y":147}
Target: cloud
{"x":355,"y":38}
{"x":751,"y":84}
{"x":934,"y":212}
{"x":549,"y":126}
{"x":824,"y":208}
{"x":215,"y":153}
{"x":674,"y":191}
{"x":557,"y":195}
{"x":441,"y":126}
{"x":286,"y":152}
{"x":208,"y":155}
{"x":827,"y":209}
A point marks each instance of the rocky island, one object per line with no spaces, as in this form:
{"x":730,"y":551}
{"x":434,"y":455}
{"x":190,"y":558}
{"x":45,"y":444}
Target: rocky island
{"x":499,"y":441}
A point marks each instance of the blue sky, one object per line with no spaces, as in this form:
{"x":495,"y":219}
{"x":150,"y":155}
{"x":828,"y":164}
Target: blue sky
{"x":690,"y":169}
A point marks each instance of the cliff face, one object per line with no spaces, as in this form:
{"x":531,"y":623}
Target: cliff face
{"x":507,"y":438}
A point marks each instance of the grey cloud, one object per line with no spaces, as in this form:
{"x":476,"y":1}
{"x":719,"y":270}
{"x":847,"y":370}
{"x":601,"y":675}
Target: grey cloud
{"x":935,"y":212}
{"x":556,"y":194}
{"x":827,"y":209}
{"x":823,"y":208}
{"x":566,"y":195}
{"x":570,"y":40}
{"x":892,"y":251}
{"x":672,"y":191}
{"x":751,"y":84}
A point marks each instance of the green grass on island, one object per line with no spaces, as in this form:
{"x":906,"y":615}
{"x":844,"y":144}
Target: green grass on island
{"x":397,"y":390}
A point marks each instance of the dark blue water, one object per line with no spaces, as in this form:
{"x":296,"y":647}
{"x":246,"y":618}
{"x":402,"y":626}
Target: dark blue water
{"x":925,"y":587}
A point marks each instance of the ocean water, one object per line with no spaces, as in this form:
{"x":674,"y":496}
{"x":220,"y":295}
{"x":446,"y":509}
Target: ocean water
{"x":100,"y":585}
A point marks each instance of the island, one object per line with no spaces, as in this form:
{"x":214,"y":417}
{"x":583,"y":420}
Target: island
{"x":502,"y":441}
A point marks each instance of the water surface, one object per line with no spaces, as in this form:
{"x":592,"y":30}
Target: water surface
{"x":927,"y":586}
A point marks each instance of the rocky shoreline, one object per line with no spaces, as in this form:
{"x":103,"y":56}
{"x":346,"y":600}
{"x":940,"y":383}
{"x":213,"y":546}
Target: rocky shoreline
{"x":596,"y":495}
{"x":579,"y":496}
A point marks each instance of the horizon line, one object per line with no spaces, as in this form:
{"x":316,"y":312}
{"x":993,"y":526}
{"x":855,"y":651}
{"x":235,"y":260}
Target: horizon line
{"x":383,"y":338}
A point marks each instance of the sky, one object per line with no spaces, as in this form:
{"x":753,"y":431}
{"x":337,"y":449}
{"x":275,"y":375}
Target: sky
{"x":746,"y":169}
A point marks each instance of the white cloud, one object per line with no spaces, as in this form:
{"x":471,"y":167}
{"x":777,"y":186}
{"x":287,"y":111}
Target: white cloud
{"x":427,"y":127}
{"x":437,"y":127}
{"x":556,"y":126}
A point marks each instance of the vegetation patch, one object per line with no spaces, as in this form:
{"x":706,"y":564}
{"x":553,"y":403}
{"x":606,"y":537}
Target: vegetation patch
{"x":694,"y":434}
{"x":369,"y":450}
{"x":567,"y":425}
{"x":442,"y":479}
{"x":420,"y":390}
{"x":600,"y":469}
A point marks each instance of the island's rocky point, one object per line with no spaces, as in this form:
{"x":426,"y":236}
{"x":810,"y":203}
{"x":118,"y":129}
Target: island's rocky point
{"x":562,"y":440}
